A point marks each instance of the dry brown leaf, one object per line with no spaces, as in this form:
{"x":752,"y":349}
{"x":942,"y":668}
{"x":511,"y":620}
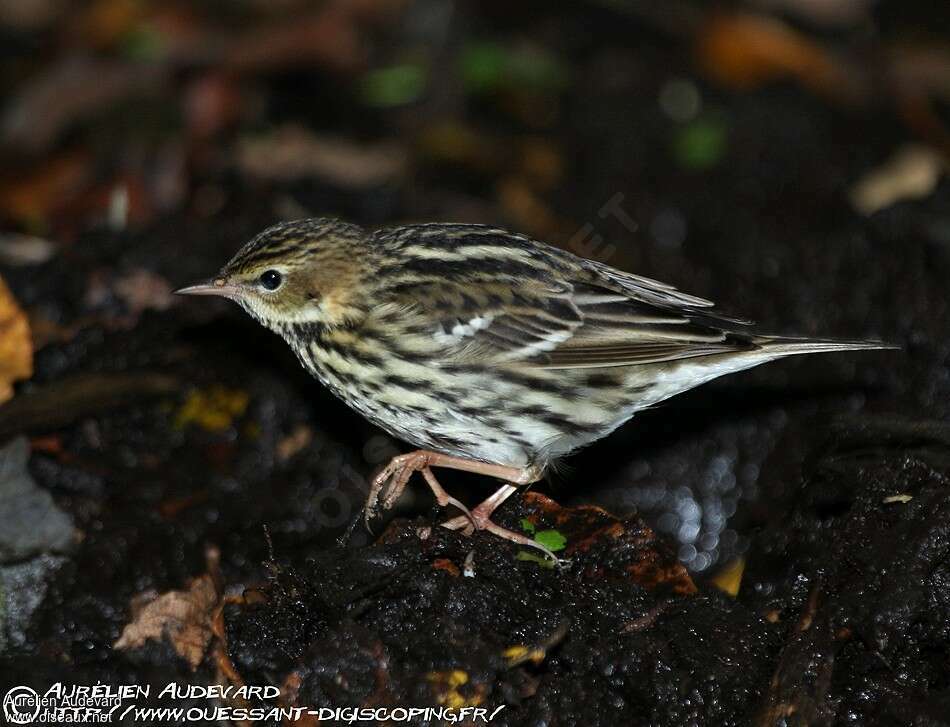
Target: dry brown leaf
{"x":444,"y":564}
{"x":21,"y":250}
{"x":294,"y":442}
{"x":745,"y":50}
{"x":331,"y":37}
{"x":31,"y":15}
{"x":143,"y":290}
{"x":184,"y":618}
{"x":529,"y":210}
{"x":72,"y":90}
{"x":103,"y":23}
{"x":16,"y":346}
{"x":30,"y":197}
{"x":295,"y":153}
{"x":634,"y":547}
{"x":210,"y":103}
{"x":911,"y":173}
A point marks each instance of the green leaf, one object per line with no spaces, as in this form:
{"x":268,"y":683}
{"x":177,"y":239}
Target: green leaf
{"x":482,"y":66}
{"x":527,"y":526}
{"x":531,"y":557}
{"x":701,"y":143}
{"x":553,"y":540}
{"x":143,"y":44}
{"x":393,"y":86}
{"x":489,"y":66}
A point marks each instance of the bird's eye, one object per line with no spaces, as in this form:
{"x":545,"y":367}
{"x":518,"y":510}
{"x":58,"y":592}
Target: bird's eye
{"x":271,"y":279}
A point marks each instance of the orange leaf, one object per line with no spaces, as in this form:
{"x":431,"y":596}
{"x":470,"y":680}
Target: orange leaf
{"x":16,"y":347}
{"x":745,"y":51}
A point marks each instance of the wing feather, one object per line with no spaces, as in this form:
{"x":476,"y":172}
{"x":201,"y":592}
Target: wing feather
{"x":559,"y":311}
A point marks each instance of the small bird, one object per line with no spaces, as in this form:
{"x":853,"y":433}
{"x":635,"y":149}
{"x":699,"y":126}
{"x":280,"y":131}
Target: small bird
{"x":487,"y":350}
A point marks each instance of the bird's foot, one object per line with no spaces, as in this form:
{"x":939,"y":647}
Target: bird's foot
{"x":388,"y":485}
{"x":480,"y":519}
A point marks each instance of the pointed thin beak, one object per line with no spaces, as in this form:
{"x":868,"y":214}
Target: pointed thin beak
{"x":218,"y":286}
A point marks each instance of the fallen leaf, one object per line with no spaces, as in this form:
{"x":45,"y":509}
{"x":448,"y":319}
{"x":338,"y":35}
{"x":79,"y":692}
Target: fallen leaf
{"x":517,"y":654}
{"x":138,"y":290}
{"x":541,"y":163}
{"x":213,"y":409}
{"x":294,"y":442}
{"x":70,"y":398}
{"x":183,"y":618}
{"x":520,"y":653}
{"x":31,"y":15}
{"x":211,"y":103}
{"x":331,"y":37}
{"x":295,"y":153}
{"x":912,"y":172}
{"x":745,"y":51}
{"x":16,"y":346}
{"x":902,"y":499}
{"x":104,"y":22}
{"x":30,"y":197}
{"x":446,"y":565}
{"x":447,"y":684}
{"x":143,"y":290}
{"x":551,"y":539}
{"x":531,"y":556}
{"x":529,"y":210}
{"x":21,"y":250}
{"x":634,"y":547}
{"x":72,"y":90}
{"x":729,"y":579}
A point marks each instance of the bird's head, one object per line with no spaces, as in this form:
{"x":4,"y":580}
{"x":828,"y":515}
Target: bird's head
{"x":306,"y":271}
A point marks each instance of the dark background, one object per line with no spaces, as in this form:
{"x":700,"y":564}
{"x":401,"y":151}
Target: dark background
{"x":783,"y":158}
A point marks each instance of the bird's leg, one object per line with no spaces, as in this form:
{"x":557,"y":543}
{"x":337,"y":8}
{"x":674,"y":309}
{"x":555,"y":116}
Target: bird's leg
{"x":480,"y":518}
{"x":482,"y":511}
{"x":401,"y":467}
{"x":397,"y":474}
{"x":441,"y":496}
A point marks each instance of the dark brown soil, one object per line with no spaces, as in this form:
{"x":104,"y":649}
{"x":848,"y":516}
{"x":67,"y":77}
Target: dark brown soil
{"x":829,"y":476}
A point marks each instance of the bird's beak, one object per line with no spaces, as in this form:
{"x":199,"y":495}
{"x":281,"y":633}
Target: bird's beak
{"x":217,"y":286}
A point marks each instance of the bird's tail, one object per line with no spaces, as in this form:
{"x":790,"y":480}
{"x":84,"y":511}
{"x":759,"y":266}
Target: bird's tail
{"x":779,"y":346}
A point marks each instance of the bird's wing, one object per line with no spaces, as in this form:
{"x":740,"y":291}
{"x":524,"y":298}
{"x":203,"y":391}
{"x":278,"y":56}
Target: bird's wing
{"x":501,"y":298}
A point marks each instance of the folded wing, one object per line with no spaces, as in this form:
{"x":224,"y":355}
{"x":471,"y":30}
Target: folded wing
{"x":498,"y":298}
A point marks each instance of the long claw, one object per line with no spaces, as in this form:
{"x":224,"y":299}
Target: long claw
{"x":371,"y":506}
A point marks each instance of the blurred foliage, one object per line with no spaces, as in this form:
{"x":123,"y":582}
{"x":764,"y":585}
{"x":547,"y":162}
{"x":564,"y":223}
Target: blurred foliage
{"x":393,"y":85}
{"x":116,"y":112}
{"x":490,"y":66}
{"x":700,"y":144}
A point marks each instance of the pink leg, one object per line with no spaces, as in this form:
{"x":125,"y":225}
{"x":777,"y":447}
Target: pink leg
{"x":396,"y":474}
{"x":482,"y":511}
{"x":480,"y":518}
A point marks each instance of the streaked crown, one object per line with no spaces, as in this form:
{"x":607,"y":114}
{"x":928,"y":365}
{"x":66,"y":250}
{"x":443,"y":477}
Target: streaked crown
{"x":305,"y":271}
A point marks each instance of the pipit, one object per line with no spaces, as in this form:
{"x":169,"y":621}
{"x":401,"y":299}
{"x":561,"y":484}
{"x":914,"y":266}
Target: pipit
{"x":488,"y":351}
